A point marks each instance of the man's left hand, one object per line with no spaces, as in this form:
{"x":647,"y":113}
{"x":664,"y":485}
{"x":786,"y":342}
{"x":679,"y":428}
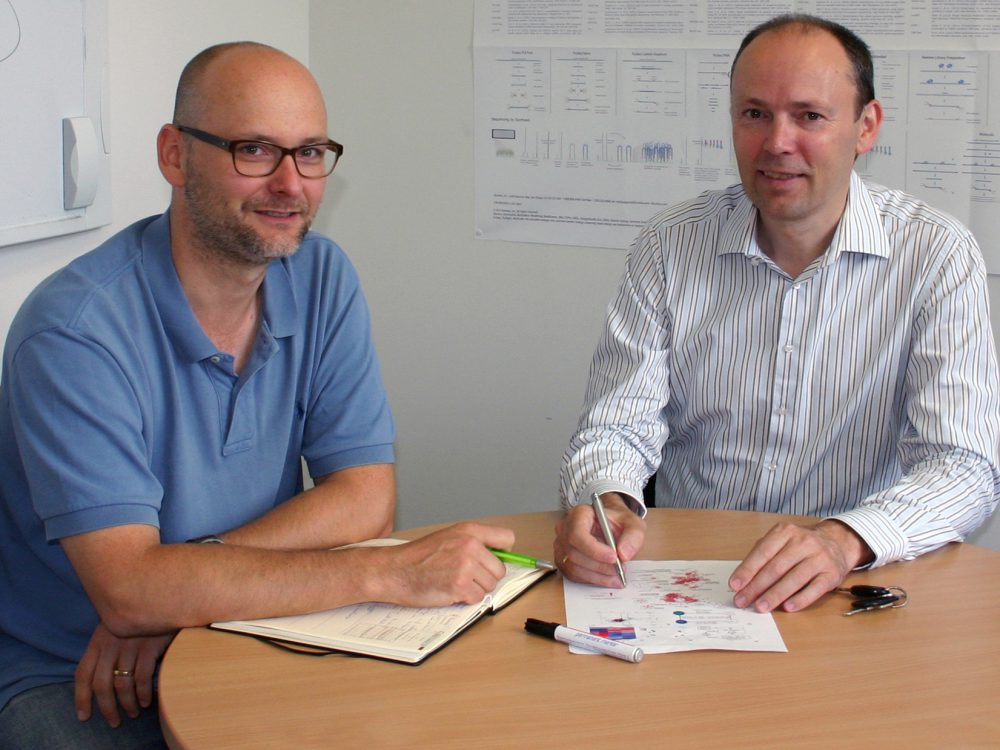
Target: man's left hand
{"x":96,"y":679}
{"x":793,"y":566}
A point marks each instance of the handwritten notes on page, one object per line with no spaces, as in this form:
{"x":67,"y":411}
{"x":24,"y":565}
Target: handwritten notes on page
{"x":672,"y":605}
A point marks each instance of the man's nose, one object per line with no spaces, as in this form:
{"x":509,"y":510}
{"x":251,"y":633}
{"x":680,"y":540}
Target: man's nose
{"x":286,"y":178}
{"x":780,"y":136}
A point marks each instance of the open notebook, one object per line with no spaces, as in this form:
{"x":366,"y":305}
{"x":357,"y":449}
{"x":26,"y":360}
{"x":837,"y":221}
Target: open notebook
{"x":387,"y":631}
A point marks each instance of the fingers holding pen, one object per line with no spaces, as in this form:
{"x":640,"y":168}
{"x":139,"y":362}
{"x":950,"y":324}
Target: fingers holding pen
{"x":580,"y":549}
{"x":609,"y":535}
{"x":450,"y":566}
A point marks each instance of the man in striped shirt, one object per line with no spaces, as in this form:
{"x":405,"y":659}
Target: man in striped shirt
{"x":801,"y":343}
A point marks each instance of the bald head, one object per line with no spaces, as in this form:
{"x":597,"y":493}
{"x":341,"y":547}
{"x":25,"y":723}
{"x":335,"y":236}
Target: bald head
{"x":232,"y":70}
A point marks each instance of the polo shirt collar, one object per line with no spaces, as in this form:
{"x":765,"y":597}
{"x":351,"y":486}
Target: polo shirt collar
{"x":280,"y":308}
{"x":281,"y":311}
{"x":860,"y":229}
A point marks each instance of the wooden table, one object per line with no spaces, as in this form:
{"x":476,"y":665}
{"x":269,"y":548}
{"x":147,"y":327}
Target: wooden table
{"x":926,"y":676}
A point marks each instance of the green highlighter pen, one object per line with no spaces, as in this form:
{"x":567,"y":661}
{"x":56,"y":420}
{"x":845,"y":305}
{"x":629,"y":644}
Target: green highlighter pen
{"x":516,"y":559}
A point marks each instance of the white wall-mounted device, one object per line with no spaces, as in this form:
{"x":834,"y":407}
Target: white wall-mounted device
{"x":54,"y":140}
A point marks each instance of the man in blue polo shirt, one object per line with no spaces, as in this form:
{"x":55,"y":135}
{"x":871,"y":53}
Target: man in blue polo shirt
{"x":164,"y":389}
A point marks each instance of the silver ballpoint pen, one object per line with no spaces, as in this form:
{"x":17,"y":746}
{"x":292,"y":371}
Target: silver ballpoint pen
{"x":609,"y":537}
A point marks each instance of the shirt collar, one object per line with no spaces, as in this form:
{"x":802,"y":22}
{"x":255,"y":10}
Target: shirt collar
{"x":280,"y":309}
{"x":860,"y":229}
{"x":738,"y":233}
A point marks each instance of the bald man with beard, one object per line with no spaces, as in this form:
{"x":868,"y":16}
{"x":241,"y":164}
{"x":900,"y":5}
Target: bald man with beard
{"x":158,"y":396}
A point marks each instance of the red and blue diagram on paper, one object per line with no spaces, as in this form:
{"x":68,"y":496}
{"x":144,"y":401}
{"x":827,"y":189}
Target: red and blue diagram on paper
{"x":671,"y":605}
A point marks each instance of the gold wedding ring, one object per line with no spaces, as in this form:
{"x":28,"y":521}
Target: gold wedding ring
{"x":122,"y":673}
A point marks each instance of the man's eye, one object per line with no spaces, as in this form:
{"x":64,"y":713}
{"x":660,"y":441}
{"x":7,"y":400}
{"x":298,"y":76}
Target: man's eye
{"x":254,"y":150}
{"x":313,"y":153}
{"x":753,"y":114}
{"x":814,"y":116}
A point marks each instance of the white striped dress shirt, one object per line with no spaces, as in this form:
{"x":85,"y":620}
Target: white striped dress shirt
{"x":866,"y":389}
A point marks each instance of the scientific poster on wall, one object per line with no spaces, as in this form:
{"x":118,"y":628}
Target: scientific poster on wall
{"x":592,"y":115}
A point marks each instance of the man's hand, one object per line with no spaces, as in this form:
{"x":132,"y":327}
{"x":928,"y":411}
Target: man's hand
{"x":449,"y":566}
{"x":580,"y":550}
{"x":95,"y":674}
{"x":793,"y":566}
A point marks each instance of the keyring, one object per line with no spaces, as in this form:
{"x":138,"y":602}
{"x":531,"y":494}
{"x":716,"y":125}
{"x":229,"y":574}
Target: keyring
{"x":870,"y":598}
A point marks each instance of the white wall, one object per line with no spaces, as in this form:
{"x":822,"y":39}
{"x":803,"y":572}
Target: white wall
{"x":149,"y":43}
{"x":484,"y":345}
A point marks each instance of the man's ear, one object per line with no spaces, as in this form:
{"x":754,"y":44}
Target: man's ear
{"x":170,"y":154}
{"x":871,"y":123}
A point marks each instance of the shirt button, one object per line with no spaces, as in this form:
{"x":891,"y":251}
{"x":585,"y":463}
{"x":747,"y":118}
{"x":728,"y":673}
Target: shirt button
{"x":782,"y":412}
{"x":216,"y":359}
{"x":789,"y":347}
{"x":772,"y":467}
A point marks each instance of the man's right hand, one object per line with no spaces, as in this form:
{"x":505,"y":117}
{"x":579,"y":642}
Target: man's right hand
{"x":196,"y":584}
{"x":447,"y":567}
{"x":580,"y":550}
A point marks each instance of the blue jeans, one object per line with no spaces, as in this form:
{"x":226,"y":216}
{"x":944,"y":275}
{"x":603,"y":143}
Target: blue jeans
{"x":44,"y":718}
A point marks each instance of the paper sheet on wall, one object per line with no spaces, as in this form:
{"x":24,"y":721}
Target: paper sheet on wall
{"x":671,"y":605}
{"x":592,"y":115}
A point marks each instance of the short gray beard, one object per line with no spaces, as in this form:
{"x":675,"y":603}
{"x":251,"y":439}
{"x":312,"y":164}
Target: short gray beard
{"x":225,"y":237}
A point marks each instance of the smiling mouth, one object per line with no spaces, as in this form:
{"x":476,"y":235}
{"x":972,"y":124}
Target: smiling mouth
{"x":780,"y":175}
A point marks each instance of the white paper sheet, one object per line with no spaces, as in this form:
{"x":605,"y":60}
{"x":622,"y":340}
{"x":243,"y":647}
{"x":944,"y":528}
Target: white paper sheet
{"x":671,"y":605}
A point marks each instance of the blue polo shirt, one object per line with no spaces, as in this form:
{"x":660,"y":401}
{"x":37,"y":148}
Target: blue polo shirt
{"x":116,"y":408}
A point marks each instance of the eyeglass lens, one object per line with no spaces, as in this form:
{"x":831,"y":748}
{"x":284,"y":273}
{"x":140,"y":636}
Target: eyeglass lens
{"x":258,"y":159}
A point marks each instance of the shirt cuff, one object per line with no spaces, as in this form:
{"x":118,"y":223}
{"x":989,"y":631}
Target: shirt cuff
{"x":886,"y":541}
{"x":100,"y":517}
{"x":601,"y":486}
{"x":349,"y":459}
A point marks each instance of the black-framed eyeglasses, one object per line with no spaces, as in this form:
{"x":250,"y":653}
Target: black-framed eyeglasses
{"x":260,"y":158}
